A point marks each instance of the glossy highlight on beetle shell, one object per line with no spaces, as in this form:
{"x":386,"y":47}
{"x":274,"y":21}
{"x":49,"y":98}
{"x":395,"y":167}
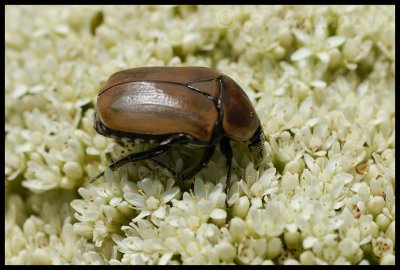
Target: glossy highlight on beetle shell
{"x":157,"y":108}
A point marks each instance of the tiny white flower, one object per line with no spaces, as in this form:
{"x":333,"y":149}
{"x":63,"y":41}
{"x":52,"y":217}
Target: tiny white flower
{"x":350,"y":250}
{"x":289,"y":182}
{"x":151,"y":195}
{"x":226,"y":251}
{"x":269,"y":221}
{"x":382,"y":246}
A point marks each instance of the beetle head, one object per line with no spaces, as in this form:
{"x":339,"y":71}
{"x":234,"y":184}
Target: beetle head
{"x":257,"y":142}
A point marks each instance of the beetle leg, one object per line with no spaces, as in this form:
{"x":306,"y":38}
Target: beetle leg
{"x":186,"y":179}
{"x":227,"y":151}
{"x":136,"y":157}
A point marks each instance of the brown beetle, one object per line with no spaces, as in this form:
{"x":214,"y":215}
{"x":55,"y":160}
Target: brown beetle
{"x":177,"y":105}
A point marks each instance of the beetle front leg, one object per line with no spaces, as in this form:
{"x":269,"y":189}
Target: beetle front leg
{"x":227,"y":151}
{"x":136,"y":157}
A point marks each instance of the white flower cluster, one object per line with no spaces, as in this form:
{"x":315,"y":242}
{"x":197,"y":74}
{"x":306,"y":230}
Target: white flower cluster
{"x":46,"y":237}
{"x":321,"y":78}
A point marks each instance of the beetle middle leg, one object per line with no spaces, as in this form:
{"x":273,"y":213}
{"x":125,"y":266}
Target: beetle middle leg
{"x":186,"y":179}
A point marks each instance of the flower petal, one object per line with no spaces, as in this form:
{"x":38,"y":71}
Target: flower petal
{"x":301,"y":54}
{"x":335,"y":41}
{"x":169,"y":194}
{"x":135,"y":199}
{"x":309,"y":241}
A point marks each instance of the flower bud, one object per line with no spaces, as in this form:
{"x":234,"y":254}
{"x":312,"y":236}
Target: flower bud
{"x":218,"y":216}
{"x":226,"y":251}
{"x":375,"y":205}
{"x":274,"y":247}
{"x":237,"y":228}
{"x":307,"y":258}
{"x":382,"y":221}
{"x":241,"y":207}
